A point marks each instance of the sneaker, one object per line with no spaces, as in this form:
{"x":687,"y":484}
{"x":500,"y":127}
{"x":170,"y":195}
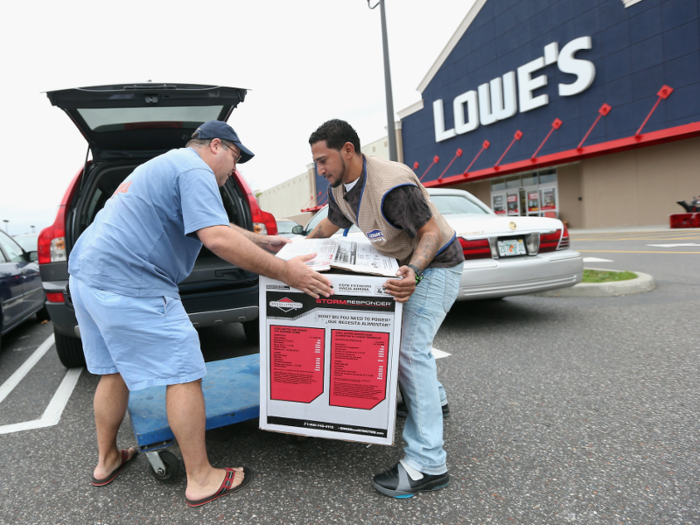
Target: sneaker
{"x":396,"y":482}
{"x":402,"y":410}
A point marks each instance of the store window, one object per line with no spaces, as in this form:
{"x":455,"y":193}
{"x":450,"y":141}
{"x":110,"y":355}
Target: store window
{"x":513,"y":182}
{"x":548,"y":176}
{"x":530,"y":179}
{"x":530,"y":194}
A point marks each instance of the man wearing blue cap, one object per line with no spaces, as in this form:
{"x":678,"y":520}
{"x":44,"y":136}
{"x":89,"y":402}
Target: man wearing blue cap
{"x":124,"y":275}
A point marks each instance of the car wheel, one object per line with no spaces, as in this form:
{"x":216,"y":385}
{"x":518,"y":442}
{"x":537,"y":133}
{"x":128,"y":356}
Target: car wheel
{"x":43,"y":315}
{"x":252,"y":331}
{"x":70,"y":350}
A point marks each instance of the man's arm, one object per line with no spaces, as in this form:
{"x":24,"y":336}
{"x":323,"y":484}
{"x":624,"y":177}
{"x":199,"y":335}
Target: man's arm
{"x":236,"y":248}
{"x":324,"y":229}
{"x":428,"y":245}
{"x":271,"y":243}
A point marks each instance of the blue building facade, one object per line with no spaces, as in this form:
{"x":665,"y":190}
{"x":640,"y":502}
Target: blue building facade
{"x":634,"y":50}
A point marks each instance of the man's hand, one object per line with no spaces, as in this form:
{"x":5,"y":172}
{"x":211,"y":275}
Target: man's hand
{"x":301,"y":277}
{"x":402,"y":289}
{"x":234,"y":246}
{"x":272,"y":243}
{"x":428,"y":244}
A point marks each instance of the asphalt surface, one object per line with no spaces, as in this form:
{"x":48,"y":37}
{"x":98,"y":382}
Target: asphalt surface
{"x":564,"y":410}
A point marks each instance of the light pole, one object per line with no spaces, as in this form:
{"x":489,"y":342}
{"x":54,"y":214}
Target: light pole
{"x":5,"y":221}
{"x":390,"y":124}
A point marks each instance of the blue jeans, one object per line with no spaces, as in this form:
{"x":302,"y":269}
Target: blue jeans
{"x":422,"y":316}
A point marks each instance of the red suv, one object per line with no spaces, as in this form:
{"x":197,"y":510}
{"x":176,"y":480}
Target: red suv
{"x":126,"y":125}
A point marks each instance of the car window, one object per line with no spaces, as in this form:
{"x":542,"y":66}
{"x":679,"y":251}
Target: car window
{"x":92,"y":207}
{"x":27,"y":242}
{"x":118,"y":119}
{"x":12,"y":249}
{"x":285,"y":226}
{"x":456,"y":204}
{"x":322,"y":214}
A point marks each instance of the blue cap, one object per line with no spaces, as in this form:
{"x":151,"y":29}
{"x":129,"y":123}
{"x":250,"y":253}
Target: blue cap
{"x":216,"y":129}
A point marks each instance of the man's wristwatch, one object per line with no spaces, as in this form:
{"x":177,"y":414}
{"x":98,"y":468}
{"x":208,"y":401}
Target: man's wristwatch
{"x":419,"y":274}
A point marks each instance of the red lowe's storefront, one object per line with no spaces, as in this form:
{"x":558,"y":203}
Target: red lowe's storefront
{"x":586,"y":111}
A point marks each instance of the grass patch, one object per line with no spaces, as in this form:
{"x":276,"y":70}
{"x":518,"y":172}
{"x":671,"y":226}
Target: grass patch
{"x":598,"y":276}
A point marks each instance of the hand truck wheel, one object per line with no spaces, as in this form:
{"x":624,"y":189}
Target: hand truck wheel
{"x":165,"y":465}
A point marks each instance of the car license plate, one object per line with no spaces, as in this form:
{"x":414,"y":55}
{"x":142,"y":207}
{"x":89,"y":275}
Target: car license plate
{"x":511,"y":247}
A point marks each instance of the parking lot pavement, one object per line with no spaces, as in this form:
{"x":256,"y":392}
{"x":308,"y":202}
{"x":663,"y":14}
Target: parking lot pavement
{"x":564,"y":410}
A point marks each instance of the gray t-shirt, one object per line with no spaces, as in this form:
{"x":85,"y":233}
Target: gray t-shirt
{"x":405,"y":208}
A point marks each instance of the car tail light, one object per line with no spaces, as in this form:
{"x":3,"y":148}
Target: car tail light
{"x":55,"y":297}
{"x":549,"y":241}
{"x":555,"y":240}
{"x":264,"y":223}
{"x":532,"y":241}
{"x":51,"y":246}
{"x":476,"y":249}
{"x":565,"y":241}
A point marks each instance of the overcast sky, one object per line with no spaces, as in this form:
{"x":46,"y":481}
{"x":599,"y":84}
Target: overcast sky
{"x":305,"y":61}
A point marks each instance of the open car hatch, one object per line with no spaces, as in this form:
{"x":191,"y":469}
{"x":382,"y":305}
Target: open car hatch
{"x":147,"y":117}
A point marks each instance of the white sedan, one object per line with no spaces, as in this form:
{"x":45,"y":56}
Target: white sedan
{"x":504,"y":255}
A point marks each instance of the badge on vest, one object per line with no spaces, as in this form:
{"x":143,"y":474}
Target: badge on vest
{"x":376,"y":236}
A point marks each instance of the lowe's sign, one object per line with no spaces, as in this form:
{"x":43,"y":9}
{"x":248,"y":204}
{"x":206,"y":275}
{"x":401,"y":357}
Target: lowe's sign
{"x":500,"y":100}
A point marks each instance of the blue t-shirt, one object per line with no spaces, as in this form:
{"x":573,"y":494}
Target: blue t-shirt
{"x":143,"y":242}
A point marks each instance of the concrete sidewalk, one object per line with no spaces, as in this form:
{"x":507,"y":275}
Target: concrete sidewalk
{"x":643,"y":283}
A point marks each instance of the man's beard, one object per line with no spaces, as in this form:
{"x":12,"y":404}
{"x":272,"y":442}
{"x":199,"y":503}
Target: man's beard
{"x":342,"y":175}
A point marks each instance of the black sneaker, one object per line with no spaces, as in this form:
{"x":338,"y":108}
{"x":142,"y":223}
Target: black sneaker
{"x":396,"y":483}
{"x":402,"y":410}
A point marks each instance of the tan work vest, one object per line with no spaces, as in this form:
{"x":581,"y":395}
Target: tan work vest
{"x":382,"y":176}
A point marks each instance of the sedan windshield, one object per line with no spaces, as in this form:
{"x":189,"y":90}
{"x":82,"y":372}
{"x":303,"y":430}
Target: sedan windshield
{"x":322,"y":214}
{"x":285,"y":226}
{"x":457,"y":205}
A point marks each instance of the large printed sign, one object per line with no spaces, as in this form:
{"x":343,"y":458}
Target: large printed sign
{"x":499,"y":206}
{"x":329,"y":366}
{"x":513,"y":204}
{"x":358,"y":368}
{"x":549,"y":199}
{"x":533,"y":201}
{"x":296,"y":363}
{"x":500,"y":100}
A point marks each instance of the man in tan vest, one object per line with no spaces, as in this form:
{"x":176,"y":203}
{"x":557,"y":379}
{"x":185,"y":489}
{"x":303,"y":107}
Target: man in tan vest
{"x":389,"y":204}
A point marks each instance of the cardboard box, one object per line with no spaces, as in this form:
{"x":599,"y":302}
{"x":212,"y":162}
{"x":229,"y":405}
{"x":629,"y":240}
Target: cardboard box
{"x":329,"y":367}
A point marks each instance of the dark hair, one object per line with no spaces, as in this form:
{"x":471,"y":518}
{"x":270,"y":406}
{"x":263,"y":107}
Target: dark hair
{"x":336,"y":133}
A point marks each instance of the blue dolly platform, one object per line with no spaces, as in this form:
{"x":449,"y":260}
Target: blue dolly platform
{"x":231,"y":394}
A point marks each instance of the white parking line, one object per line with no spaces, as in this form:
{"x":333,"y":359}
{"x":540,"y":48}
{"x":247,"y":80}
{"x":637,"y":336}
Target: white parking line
{"x":53,"y":412}
{"x":439,"y":354}
{"x":674,"y":245}
{"x":9,"y":385}
{"x":595,"y":259}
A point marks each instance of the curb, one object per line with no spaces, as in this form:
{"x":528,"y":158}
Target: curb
{"x":643,"y":283}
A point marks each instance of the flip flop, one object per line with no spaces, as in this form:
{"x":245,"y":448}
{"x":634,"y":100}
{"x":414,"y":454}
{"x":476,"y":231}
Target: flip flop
{"x":125,"y":461}
{"x":225,"y":487}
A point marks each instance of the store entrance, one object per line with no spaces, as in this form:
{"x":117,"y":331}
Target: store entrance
{"x":532,"y":194}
